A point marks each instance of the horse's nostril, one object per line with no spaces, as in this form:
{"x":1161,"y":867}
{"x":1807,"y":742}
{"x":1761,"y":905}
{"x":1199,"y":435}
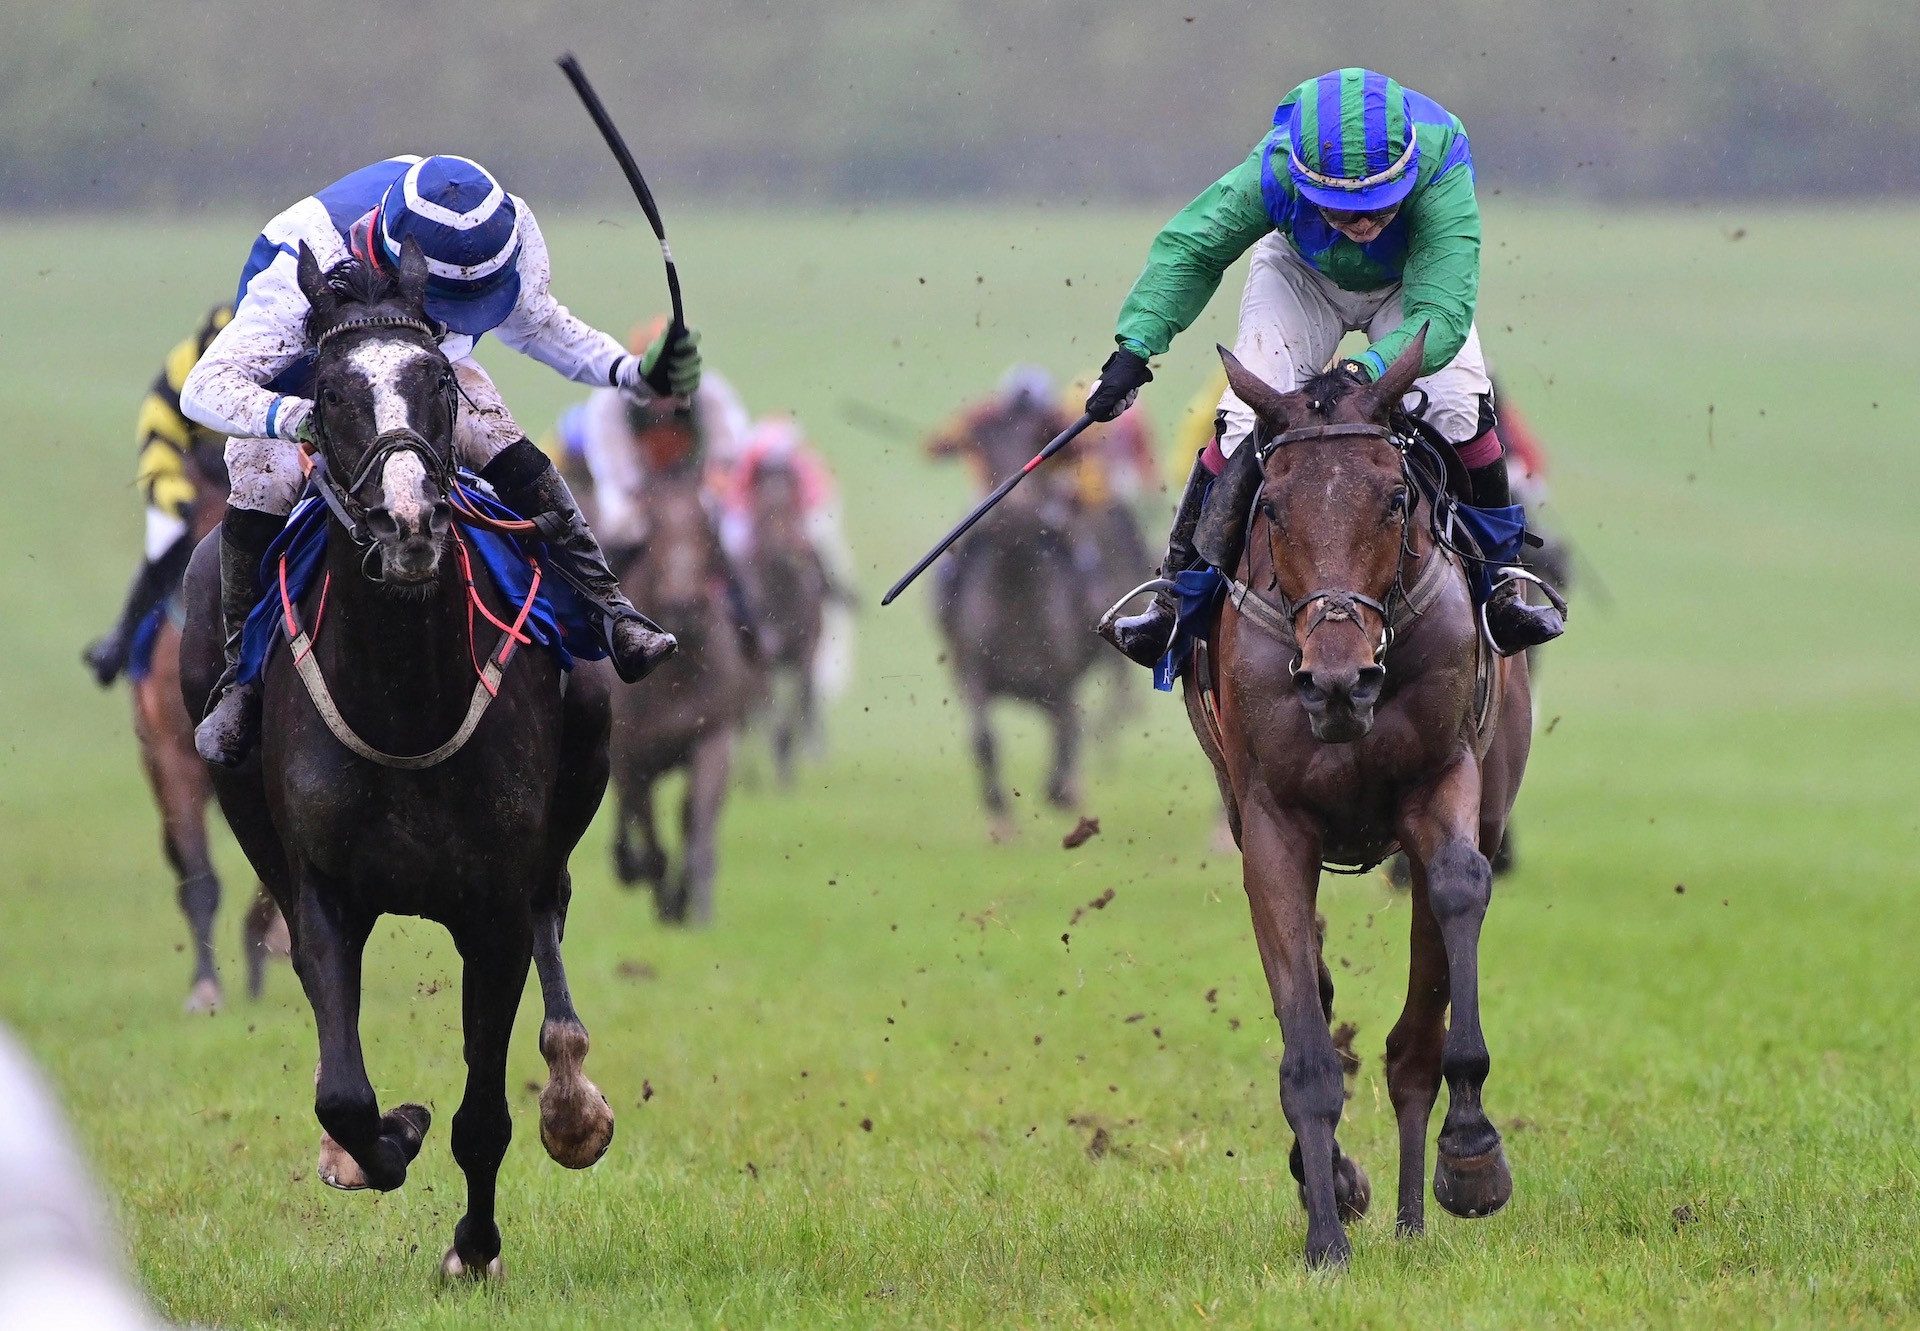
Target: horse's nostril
{"x":1367,"y":686}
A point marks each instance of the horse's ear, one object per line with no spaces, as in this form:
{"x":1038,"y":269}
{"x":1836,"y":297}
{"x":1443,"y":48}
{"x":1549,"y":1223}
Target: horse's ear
{"x":313,"y":283}
{"x":1393,"y":385}
{"x":1268,"y":404}
{"x":413,"y":273}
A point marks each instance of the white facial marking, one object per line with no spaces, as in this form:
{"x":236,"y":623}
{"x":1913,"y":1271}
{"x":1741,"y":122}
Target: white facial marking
{"x":403,"y":482}
{"x":381,"y":364}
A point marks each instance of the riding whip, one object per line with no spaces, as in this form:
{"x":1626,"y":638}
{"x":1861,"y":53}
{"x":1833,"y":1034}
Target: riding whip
{"x":1000,"y":492}
{"x":595,"y":108}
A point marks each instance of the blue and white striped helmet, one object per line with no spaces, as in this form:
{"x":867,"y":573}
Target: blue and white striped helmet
{"x":468,"y":228}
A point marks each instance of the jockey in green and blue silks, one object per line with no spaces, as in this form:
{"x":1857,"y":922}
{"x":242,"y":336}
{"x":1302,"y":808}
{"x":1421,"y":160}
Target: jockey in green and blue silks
{"x":1360,"y":210}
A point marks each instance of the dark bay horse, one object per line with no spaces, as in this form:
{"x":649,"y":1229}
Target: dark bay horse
{"x":1015,"y":601}
{"x":694,"y":703}
{"x":180,"y":787}
{"x":1347,"y":705}
{"x":474,"y":835}
{"x":790,"y":589}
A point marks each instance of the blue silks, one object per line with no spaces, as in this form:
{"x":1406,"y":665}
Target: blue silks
{"x":560,"y":620}
{"x":145,"y":634}
{"x":1199,"y":591}
{"x":1500,"y":534}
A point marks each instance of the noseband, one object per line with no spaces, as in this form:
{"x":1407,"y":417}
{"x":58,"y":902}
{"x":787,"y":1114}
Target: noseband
{"x":1331,"y":603}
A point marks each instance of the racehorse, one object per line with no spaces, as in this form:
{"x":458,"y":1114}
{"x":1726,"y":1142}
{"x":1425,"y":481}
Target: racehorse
{"x":790,"y":588}
{"x":1347,"y":704}
{"x":179,"y":779}
{"x":375,"y":790}
{"x":695,"y":701}
{"x":1014,"y":608}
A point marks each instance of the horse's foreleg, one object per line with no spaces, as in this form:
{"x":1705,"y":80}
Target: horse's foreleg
{"x":1414,"y":1053}
{"x":181,"y":789}
{"x":700,"y":822}
{"x":576,"y":1122}
{"x":1063,"y":780}
{"x":1282,"y":867}
{"x":1440,"y":828}
{"x":986,"y":757}
{"x":361,"y":1149}
{"x":496,"y":954}
{"x":263,"y":934}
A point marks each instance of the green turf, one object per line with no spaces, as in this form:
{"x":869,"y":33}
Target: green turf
{"x":866,"y":1096}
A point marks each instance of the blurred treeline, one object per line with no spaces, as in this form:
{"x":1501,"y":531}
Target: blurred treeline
{"x":179,"y":103}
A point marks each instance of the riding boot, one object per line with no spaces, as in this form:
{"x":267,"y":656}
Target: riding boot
{"x":526,"y":481}
{"x":231,"y":727}
{"x":1143,"y":638}
{"x":1512,"y":623}
{"x":110,"y":653}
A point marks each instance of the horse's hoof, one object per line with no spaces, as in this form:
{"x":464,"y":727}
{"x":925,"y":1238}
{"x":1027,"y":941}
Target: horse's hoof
{"x":576,"y":1123}
{"x":277,"y":941}
{"x":205,"y":996}
{"x":337,"y":1169}
{"x":1329,"y":1254}
{"x":1064,"y":794}
{"x":1001,"y":829}
{"x":452,"y":1268}
{"x":1352,"y":1190}
{"x":1473,"y":1186}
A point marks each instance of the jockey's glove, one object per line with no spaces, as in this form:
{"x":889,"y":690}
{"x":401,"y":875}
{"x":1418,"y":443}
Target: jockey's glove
{"x":294,"y":421}
{"x":669,"y":367}
{"x":1357,"y":370}
{"x":1119,"y":383}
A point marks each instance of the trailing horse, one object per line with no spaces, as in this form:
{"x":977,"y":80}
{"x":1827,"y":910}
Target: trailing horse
{"x":791,"y":588}
{"x":1348,"y":704}
{"x":179,"y":779}
{"x":391,"y":780}
{"x":695,"y":702}
{"x":1015,"y":600}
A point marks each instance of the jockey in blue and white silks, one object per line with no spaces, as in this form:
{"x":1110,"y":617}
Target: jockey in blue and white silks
{"x":488,"y":272}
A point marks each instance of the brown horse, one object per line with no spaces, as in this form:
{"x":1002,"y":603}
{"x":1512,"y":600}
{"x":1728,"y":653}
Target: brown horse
{"x":1347,"y":705}
{"x":693,"y":703}
{"x":180,"y":786}
{"x":790,"y":588}
{"x":1015,"y":599}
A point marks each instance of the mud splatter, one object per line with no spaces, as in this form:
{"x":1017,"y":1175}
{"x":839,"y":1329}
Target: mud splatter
{"x":1084,"y":831}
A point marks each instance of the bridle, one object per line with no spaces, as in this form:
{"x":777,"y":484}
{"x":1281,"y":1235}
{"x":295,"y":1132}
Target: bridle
{"x":343,"y":499}
{"x":1335,"y":603}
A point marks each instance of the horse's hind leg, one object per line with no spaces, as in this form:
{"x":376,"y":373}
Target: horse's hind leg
{"x":1414,"y":1053}
{"x":361,"y":1148}
{"x":706,"y":796}
{"x":576,"y":1122}
{"x":1063,"y":779}
{"x":181,"y":789}
{"x":263,"y":934}
{"x":496,"y":954}
{"x":1282,"y":869}
{"x":1441,"y":825}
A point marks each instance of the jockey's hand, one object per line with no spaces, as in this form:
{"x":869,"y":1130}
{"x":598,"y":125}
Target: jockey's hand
{"x":1119,"y":383}
{"x":1355,"y":370}
{"x":294,"y":423}
{"x":670,"y":366}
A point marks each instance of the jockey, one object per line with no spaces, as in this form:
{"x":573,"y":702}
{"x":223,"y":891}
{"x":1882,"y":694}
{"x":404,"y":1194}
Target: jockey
{"x":489,"y":272}
{"x":166,"y":439}
{"x":1359,"y":208}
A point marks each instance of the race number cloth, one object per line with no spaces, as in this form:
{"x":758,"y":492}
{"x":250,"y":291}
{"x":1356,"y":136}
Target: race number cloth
{"x":559,"y":621}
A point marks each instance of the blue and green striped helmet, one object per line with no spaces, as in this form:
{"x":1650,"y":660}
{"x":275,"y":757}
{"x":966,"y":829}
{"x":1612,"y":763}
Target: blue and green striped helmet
{"x":1352,"y":146}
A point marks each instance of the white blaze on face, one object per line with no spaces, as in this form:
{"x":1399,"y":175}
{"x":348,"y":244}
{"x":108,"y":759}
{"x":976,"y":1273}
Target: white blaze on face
{"x":403,"y":479}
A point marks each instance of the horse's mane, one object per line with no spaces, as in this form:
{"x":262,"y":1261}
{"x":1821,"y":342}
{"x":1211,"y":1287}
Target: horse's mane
{"x":356,"y":283}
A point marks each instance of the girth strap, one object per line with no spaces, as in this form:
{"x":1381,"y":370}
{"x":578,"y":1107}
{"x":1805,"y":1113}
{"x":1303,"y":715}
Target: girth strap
{"x":484,"y":690}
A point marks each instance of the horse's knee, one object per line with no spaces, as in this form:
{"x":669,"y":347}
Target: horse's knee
{"x":199,"y":896}
{"x":1310,"y":1083}
{"x":481,"y":1133}
{"x":1459,"y":883}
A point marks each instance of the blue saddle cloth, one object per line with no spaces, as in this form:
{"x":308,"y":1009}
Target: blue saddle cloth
{"x":146,"y":636}
{"x":560,"y":620}
{"x":1199,"y":591}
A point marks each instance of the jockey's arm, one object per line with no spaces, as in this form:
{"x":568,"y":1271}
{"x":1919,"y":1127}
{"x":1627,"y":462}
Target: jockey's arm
{"x":1188,"y":258}
{"x":1441,"y":283}
{"x":541,"y":327}
{"x":268,"y":332}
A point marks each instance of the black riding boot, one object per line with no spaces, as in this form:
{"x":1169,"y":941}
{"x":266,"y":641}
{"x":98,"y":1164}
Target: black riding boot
{"x":108,"y":654}
{"x":231,"y":727}
{"x":1143,"y":638}
{"x":1513,"y":623}
{"x":526,"y":481}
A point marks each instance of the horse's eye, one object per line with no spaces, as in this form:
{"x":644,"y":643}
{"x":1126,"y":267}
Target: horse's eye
{"x":1397,"y":504}
{"x":329,"y":396}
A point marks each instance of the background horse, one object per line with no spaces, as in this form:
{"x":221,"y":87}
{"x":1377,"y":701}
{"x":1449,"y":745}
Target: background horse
{"x":1018,"y":598}
{"x":1347,"y":704}
{"x":695,"y":701}
{"x":790,"y":589}
{"x":477,"y":840}
{"x":179,"y":779}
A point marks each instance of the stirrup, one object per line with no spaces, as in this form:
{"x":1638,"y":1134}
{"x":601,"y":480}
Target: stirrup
{"x":1504,"y":575}
{"x":1150,"y":585}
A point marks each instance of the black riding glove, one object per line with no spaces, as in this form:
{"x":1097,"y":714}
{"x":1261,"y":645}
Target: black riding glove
{"x":1120,"y":380}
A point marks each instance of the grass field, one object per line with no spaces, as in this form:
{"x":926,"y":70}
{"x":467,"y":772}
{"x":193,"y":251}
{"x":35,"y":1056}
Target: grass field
{"x":866,"y":1096}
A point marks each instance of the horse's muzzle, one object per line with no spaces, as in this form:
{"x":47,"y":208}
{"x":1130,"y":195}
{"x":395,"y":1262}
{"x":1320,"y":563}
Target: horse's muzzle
{"x":409,"y":551}
{"x":1339,"y":699}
